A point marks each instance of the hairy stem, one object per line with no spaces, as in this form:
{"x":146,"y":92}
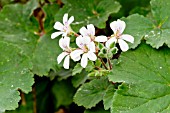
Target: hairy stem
{"x":110,"y":65}
{"x":103,"y":63}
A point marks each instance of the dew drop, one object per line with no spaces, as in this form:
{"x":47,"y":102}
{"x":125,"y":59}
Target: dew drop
{"x":160,"y":67}
{"x":12,"y":85}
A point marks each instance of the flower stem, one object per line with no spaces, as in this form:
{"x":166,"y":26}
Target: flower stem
{"x":110,"y":65}
{"x":103,"y":63}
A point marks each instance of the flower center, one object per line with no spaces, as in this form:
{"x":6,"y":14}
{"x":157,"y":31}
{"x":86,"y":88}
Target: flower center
{"x":117,"y":34}
{"x":85,"y":48}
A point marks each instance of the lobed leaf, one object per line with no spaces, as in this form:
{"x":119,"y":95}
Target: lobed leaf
{"x":146,"y":76}
{"x":14,"y":74}
{"x":91,"y":93}
{"x":92,"y":12}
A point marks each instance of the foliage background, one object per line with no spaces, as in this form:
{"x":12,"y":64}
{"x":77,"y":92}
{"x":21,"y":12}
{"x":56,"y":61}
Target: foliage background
{"x":32,"y":81}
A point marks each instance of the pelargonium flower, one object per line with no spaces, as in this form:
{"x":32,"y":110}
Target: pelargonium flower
{"x":90,"y":31}
{"x":64,"y":29}
{"x":87,"y":48}
{"x":64,"y":44}
{"x":118,"y":28}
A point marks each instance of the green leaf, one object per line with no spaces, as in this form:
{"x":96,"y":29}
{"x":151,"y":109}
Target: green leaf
{"x":146,"y":74}
{"x":108,"y":97}
{"x":19,"y":30}
{"x":89,"y":94}
{"x":77,"y":69}
{"x":92,"y":12}
{"x":137,"y":26}
{"x":154,"y":29}
{"x":90,"y":66}
{"x":46,"y":51}
{"x":159,"y":35}
{"x":79,"y":79}
{"x":14,"y":74}
{"x":98,"y":109}
{"x":45,"y":55}
{"x":63,"y":92}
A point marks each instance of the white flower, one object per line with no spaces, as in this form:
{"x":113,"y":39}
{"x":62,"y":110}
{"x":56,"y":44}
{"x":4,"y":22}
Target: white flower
{"x":64,"y":28}
{"x":87,"y":48}
{"x":64,"y":44}
{"x":90,"y":31}
{"x":118,"y":28}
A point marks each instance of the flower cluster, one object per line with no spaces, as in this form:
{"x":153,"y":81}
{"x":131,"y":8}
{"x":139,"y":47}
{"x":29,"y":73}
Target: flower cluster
{"x":89,"y":46}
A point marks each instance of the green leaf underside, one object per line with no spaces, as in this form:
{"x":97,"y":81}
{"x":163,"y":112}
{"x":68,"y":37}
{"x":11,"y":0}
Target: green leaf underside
{"x":91,"y":93}
{"x":146,"y":76}
{"x":155,"y":29}
{"x":14,"y":74}
{"x":89,"y":12}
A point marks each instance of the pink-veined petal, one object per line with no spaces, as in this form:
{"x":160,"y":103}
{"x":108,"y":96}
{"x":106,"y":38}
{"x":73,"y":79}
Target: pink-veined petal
{"x":110,"y":41}
{"x":128,"y":38}
{"x":91,"y":46}
{"x":71,"y":19}
{"x":61,"y":41}
{"x":67,"y":41}
{"x":101,"y":39}
{"x":58,"y":26}
{"x":91,"y":29}
{"x":79,"y":41}
{"x":61,"y":56}
{"x":123,"y":45}
{"x":86,"y":40}
{"x":118,"y":26}
{"x":66,"y":62}
{"x":83,"y":31}
{"x":64,"y":43}
{"x":55,"y":34}
{"x":91,"y":56}
{"x":84,"y":60}
{"x":75,"y":55}
{"x":65,"y":19}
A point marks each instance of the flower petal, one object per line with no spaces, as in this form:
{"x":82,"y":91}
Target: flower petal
{"x":65,"y":19}
{"x":128,"y":38}
{"x":61,"y":41}
{"x":91,"y":47}
{"x":61,"y":56}
{"x":66,"y":62}
{"x":55,"y":34}
{"x":79,"y":41}
{"x":64,"y":43}
{"x":118,"y":26}
{"x":91,"y":29}
{"x":110,"y":41}
{"x":58,"y":26}
{"x":75,"y":55}
{"x":83,"y":31}
{"x":101,"y":39}
{"x":123,"y":45}
{"x":84,"y":60}
{"x":86,"y":40}
{"x":67,"y":41}
{"x":71,"y":19}
{"x":91,"y":56}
